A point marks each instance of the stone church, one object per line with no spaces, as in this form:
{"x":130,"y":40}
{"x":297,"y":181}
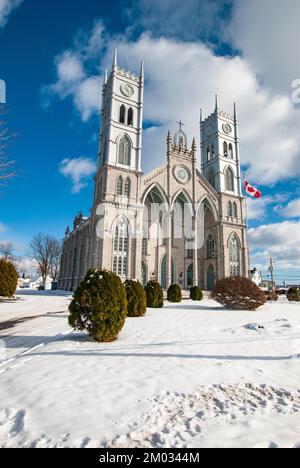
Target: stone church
{"x":182,"y":223}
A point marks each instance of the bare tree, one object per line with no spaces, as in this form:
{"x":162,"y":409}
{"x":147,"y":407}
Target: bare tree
{"x":56,"y":256}
{"x":46,"y":251}
{"x":7,"y":251}
{"x":6,"y":166}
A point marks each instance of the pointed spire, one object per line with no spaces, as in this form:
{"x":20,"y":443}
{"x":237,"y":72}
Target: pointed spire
{"x":115,"y":63}
{"x":235,"y":112}
{"x":194,"y":147}
{"x":142,"y":73}
{"x":201,"y":115}
{"x":217,"y":104}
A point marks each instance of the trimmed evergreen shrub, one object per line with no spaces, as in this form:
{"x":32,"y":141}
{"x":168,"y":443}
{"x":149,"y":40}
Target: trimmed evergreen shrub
{"x":155,"y":295}
{"x":196,"y":294}
{"x":136,"y":298}
{"x":293,"y":295}
{"x":238,"y":293}
{"x":8,"y":279}
{"x":174,"y":293}
{"x":272,"y":296}
{"x":99,"y":306}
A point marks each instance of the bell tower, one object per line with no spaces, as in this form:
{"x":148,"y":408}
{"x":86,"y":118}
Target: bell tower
{"x":220,"y":162}
{"x":122,"y":119}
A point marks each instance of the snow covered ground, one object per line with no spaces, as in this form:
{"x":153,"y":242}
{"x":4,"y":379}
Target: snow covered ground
{"x":188,"y":375}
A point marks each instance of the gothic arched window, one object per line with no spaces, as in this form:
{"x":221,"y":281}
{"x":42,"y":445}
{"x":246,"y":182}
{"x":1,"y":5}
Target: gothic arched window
{"x":119,"y":186}
{"x":211,"y":178}
{"x":189,"y":247}
{"x":230,"y":151}
{"x":208,"y":154}
{"x":210,"y":246}
{"x":122,"y":114}
{"x":124,"y":151}
{"x":235,"y":213}
{"x":234,"y":256}
{"x":130,"y":117}
{"x":229,"y":180}
{"x":120,"y":254}
{"x":229,"y":210}
{"x":127,"y":189}
{"x":225,"y":149}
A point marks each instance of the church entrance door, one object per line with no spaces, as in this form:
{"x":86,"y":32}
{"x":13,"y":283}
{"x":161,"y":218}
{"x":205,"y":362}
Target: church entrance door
{"x":163,"y":281}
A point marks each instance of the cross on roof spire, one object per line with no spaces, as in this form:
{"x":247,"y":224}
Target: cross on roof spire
{"x":180,"y":125}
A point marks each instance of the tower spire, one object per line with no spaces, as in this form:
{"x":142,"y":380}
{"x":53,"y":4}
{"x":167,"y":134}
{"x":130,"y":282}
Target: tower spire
{"x":235,"y":113}
{"x":217,"y":104}
{"x":115,"y":62}
{"x":142,"y":72}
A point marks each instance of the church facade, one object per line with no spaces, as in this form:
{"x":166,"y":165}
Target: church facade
{"x":182,"y":223}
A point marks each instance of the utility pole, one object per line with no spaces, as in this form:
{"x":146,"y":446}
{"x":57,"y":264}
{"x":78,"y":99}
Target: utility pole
{"x":271,"y":270}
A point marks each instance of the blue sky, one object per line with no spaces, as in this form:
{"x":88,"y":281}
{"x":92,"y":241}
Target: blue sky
{"x":52,"y":58}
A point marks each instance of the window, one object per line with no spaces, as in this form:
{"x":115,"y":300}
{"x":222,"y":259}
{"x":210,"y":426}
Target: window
{"x":122,"y":114}
{"x":130,"y":117}
{"x":229,"y":210}
{"x":208,"y":154}
{"x":225,"y":149}
{"x":120,"y":254}
{"x":119,"y":188}
{"x":145,"y":246}
{"x":235,"y":213}
{"x":230,"y":151}
{"x":210,"y":246}
{"x":124,"y":151}
{"x":229,"y":180}
{"x":127,"y":187}
{"x":211,"y":178}
{"x":212,"y":151}
{"x":234,"y":256}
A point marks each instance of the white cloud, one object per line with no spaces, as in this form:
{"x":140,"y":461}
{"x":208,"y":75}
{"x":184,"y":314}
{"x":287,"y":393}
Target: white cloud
{"x":267,"y":32}
{"x":281,"y":241}
{"x":79,"y":170}
{"x":6,"y":7}
{"x":292,"y":210}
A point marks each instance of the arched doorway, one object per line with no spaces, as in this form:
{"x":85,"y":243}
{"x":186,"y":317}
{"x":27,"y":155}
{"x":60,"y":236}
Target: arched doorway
{"x":210,"y":278}
{"x":144,"y":274}
{"x":190,"y":276}
{"x":163,"y":281}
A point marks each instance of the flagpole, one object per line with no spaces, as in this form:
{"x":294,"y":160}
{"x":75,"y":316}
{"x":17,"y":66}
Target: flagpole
{"x":247,"y":226}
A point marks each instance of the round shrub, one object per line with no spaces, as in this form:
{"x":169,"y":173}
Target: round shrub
{"x":155,"y":295}
{"x":196,"y":294}
{"x":293,"y":295}
{"x":136,"y":298}
{"x":272,"y":296}
{"x":238,"y":293}
{"x":8,"y":279}
{"x":99,"y":305}
{"x":174,"y":293}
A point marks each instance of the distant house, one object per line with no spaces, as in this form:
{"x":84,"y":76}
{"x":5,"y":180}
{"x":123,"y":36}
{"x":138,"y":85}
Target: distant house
{"x":39,"y":282}
{"x":256,"y":277}
{"x":24,"y":283}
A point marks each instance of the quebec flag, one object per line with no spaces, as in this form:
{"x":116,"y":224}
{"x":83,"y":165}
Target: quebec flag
{"x":2,"y":92}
